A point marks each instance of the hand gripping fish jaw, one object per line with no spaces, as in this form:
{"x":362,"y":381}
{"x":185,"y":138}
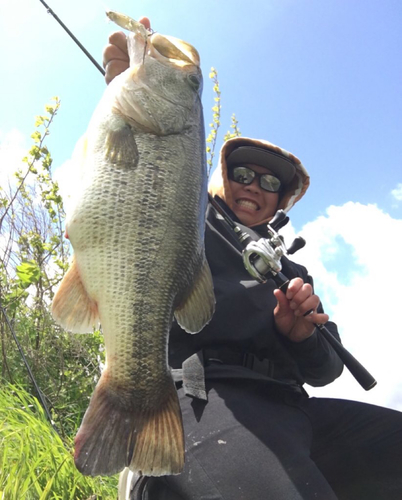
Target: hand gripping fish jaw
{"x":262,"y":259}
{"x":173,"y":49}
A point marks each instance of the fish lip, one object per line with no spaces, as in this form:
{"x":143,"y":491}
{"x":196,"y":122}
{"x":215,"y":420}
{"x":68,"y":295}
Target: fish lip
{"x":250,"y":200}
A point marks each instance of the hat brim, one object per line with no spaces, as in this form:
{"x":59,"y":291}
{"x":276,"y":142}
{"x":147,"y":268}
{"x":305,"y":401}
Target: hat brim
{"x":281,"y":166}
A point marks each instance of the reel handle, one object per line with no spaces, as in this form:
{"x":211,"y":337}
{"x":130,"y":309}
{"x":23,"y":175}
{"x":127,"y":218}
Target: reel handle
{"x":297,"y":244}
{"x":279,"y":220}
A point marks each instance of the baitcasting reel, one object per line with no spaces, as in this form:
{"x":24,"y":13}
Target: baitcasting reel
{"x":262,"y":258}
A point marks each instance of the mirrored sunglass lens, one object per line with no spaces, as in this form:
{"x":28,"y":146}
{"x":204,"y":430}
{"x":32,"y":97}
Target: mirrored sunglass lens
{"x":243,"y":175}
{"x":270,"y":183}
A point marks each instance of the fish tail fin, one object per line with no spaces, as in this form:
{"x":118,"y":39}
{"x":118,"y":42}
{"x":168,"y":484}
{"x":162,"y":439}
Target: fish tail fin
{"x":114,"y":435}
{"x":158,"y":449}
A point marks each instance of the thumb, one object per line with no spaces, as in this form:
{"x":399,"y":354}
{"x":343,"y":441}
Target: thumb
{"x":145,"y":22}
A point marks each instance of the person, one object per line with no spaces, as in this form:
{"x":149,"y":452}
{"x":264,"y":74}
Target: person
{"x":251,"y":430}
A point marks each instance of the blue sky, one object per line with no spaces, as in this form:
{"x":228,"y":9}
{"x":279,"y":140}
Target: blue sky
{"x":320,"y":78}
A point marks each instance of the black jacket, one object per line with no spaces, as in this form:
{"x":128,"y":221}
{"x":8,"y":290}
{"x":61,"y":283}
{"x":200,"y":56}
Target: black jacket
{"x":243,"y":323}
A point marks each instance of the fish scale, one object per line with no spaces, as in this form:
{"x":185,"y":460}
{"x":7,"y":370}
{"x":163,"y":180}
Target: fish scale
{"x":137,"y":230}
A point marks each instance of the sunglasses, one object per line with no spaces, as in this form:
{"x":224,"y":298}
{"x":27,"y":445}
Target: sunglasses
{"x":245,"y":175}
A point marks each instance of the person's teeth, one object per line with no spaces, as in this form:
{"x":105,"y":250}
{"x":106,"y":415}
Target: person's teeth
{"x":248,"y":204}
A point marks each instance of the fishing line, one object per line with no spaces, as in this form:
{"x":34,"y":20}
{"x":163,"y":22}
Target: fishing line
{"x":50,"y":11}
{"x":31,"y":376}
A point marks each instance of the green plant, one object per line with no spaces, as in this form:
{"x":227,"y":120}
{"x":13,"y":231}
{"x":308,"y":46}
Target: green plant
{"x":33,"y":259}
{"x":216,"y":122}
{"x":35,"y":463}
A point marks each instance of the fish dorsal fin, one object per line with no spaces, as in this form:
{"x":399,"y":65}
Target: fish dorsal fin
{"x":72,"y":308}
{"x":199,"y":305}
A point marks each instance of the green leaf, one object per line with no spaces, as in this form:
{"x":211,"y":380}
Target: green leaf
{"x":39,"y":121}
{"x":36,"y":136}
{"x":28,"y":272}
{"x":35,"y":152}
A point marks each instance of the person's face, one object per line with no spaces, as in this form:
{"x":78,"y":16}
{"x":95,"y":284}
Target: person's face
{"x":251,"y":203}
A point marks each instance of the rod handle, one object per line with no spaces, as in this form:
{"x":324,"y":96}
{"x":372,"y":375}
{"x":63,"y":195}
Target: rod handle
{"x":363,"y":377}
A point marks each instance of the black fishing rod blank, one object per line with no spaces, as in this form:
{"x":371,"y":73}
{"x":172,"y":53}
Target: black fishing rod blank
{"x":50,"y":11}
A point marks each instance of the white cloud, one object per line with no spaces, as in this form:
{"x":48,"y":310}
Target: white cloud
{"x":68,"y":175}
{"x":397,"y":192}
{"x":66,"y":181}
{"x":353,"y":253}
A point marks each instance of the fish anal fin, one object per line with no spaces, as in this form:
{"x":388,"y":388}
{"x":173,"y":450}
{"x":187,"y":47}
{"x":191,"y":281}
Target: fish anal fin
{"x":198,"y":307}
{"x":72,"y":308}
{"x":115,"y":435}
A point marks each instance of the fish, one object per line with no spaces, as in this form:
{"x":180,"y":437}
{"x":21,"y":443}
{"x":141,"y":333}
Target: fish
{"x":136,"y":224}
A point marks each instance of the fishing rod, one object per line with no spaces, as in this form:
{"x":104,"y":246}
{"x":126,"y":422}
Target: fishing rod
{"x":261,"y":256}
{"x":50,"y":11}
{"x":262,"y":259}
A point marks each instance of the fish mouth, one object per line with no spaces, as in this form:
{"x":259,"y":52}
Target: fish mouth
{"x":248,"y":204}
{"x":175,"y":50}
{"x":172,"y":49}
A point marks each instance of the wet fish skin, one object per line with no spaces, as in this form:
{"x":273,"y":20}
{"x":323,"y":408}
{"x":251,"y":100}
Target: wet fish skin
{"x":137,"y":230}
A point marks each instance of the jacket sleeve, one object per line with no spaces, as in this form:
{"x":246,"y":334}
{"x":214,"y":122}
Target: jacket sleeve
{"x":317,"y":361}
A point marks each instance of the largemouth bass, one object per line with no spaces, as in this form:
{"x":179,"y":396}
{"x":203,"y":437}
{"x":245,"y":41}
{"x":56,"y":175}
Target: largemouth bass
{"x":137,"y":230}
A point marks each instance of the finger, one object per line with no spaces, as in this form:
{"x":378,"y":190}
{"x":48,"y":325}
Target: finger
{"x":112,"y":51}
{"x":317,"y":318}
{"x":146,"y":22}
{"x":294,"y":286}
{"x":119,"y":39}
{"x":114,"y":68}
{"x":307,"y":306}
{"x":302,"y":294}
{"x":283,"y":304}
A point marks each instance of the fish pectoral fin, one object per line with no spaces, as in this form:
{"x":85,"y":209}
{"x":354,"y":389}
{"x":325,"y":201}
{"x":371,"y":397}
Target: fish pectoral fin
{"x":120,"y":148}
{"x":199,"y":305}
{"x":72,"y":308}
{"x":115,"y":434}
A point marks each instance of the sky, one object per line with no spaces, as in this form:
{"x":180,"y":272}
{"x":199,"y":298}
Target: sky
{"x":320,"y":78}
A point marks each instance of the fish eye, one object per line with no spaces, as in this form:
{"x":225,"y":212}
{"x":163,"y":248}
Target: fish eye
{"x":194,"y":81}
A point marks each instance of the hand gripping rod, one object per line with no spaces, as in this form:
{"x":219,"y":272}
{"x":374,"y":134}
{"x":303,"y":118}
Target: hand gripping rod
{"x":261,"y":257}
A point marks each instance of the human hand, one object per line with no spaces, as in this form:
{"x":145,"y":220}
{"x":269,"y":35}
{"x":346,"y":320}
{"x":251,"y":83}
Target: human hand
{"x":288,"y":314}
{"x":115,"y":54}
